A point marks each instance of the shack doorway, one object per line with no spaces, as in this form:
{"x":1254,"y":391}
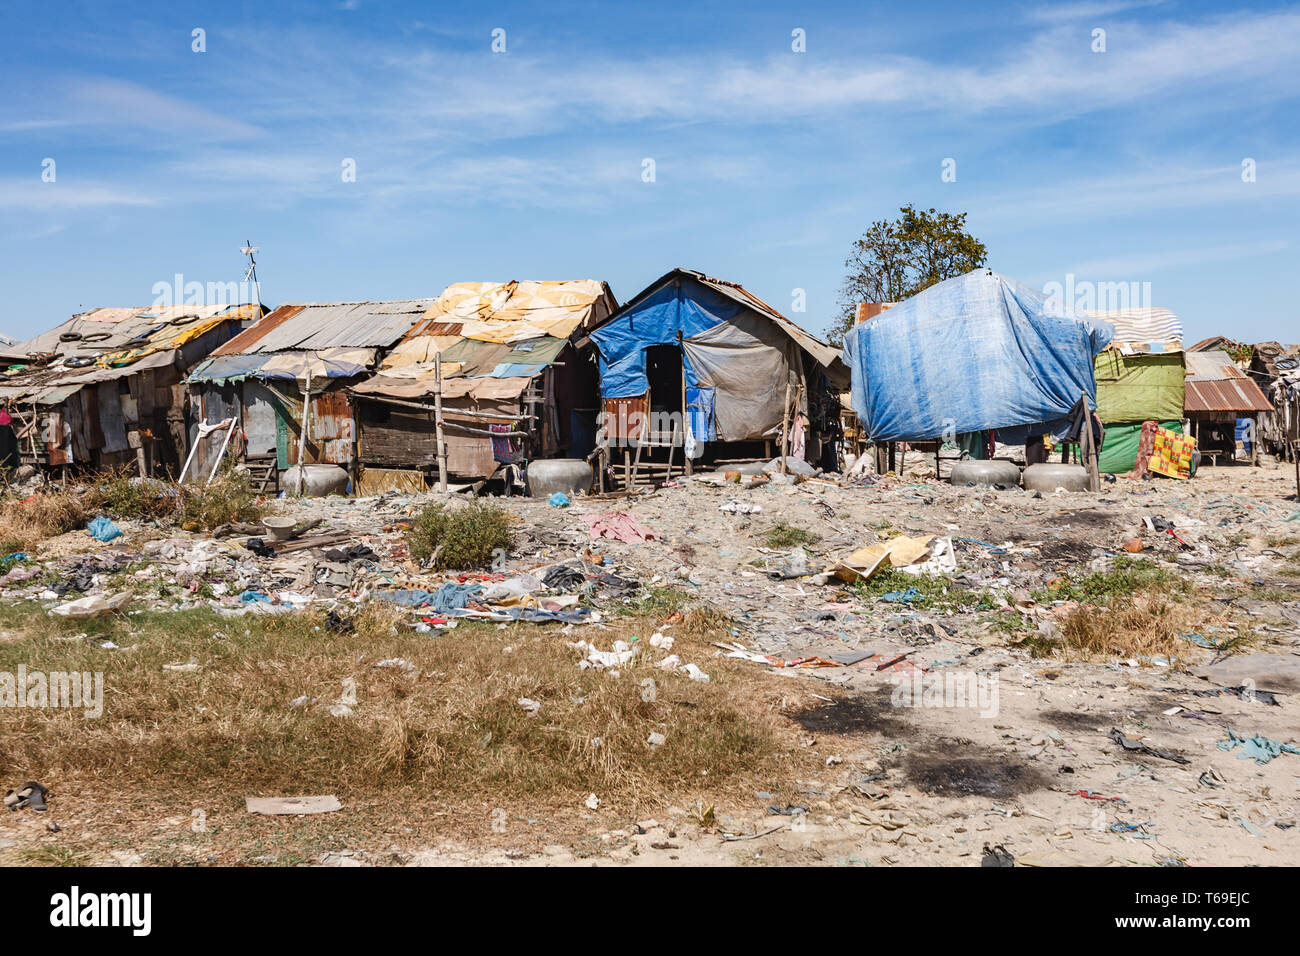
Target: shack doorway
{"x":663,"y":370}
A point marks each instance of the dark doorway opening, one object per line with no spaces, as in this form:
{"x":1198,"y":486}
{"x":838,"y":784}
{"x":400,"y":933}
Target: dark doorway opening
{"x":663,"y":369}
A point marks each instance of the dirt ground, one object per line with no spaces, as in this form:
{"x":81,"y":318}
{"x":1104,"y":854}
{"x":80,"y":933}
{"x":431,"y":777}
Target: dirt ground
{"x":997,"y":734}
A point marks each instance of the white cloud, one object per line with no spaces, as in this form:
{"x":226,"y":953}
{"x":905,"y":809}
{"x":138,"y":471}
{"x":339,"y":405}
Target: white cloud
{"x":33,"y":194}
{"x":121,"y":109}
{"x":1088,"y":9}
{"x":1055,"y":72}
{"x":1075,"y":199}
{"x":1142,"y":262}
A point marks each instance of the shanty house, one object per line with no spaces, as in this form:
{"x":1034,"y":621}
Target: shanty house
{"x":976,"y":353}
{"x":1218,"y":393}
{"x":105,"y":388}
{"x":1139,"y":378}
{"x":700,"y":363}
{"x":501,"y":359}
{"x":306,"y":352}
{"x":1276,"y":369}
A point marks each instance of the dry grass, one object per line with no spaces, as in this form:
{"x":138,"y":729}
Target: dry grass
{"x":25,"y":523}
{"x":30,"y":521}
{"x":1146,"y":626}
{"x":449,"y":733}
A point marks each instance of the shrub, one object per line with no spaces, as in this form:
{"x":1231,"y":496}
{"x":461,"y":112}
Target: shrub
{"x":782,"y":535}
{"x":459,"y":538}
{"x":230,"y":498}
{"x":124,"y":495}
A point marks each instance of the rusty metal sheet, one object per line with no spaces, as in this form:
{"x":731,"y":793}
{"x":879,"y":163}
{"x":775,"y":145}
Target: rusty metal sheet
{"x":1226,"y":395}
{"x":330,"y":431}
{"x":246,"y":340}
{"x":626,"y":417}
{"x":316,"y":326}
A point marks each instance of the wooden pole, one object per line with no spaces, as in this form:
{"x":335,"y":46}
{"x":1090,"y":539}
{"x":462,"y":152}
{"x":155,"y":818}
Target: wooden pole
{"x":672,"y":446}
{"x":302,"y":438}
{"x":785,"y":426}
{"x":636,"y":459}
{"x":437,"y":424}
{"x":687,"y":466}
{"x":1088,"y":448}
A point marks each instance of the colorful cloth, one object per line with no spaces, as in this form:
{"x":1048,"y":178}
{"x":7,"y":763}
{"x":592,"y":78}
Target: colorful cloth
{"x":1171,"y":454}
{"x":504,"y":449}
{"x":618,"y":525}
{"x":1146,"y":447}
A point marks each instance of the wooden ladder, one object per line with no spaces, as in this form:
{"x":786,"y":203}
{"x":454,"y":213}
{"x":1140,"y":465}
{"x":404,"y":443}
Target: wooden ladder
{"x":263,"y":475}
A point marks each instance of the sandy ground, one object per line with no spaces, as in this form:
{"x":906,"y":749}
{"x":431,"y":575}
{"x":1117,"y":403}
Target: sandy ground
{"x":1031,"y":766}
{"x":935,"y":784}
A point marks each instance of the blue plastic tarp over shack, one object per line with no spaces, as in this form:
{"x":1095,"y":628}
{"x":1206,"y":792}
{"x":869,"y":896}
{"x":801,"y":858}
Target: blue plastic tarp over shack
{"x":976,"y":352}
{"x":738,"y":354}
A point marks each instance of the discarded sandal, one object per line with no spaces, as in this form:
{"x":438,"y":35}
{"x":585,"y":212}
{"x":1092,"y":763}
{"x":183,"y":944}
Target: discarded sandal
{"x":31,"y":794}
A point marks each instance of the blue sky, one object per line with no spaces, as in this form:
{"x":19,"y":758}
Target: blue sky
{"x":1121,"y":166}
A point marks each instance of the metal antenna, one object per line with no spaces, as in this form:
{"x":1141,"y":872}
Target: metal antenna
{"x":251,"y":272}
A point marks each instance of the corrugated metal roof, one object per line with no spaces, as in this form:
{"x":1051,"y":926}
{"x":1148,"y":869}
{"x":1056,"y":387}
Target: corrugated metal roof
{"x":1216,"y":384}
{"x":314,"y":326}
{"x":112,"y":329}
{"x":1138,"y":326}
{"x":1212,"y":366}
{"x":1225,"y":395}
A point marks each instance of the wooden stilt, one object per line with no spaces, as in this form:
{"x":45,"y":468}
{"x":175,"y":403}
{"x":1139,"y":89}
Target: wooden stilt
{"x":785,"y":427}
{"x":1088,"y":449}
{"x":437,"y":425}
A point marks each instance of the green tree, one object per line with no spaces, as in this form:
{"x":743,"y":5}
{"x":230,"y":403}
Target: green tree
{"x":895,"y":260}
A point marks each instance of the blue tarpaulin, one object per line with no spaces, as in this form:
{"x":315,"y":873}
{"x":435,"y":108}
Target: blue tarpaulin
{"x":738,"y":355}
{"x":976,"y":352}
{"x":656,"y":321}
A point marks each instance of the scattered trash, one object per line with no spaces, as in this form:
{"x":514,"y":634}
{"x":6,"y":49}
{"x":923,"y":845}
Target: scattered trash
{"x":694,"y":673}
{"x":1262,"y":749}
{"x":85,"y":608}
{"x":998,"y":856}
{"x":292,"y":806}
{"x":558,"y":500}
{"x":31,"y":794}
{"x":1135,"y":745}
{"x":1089,"y":795}
{"x":618,"y":525}
{"x":901,"y":597}
{"x":103,"y":529}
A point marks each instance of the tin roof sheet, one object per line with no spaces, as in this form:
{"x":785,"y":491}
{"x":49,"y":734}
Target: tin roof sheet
{"x":315,"y":326}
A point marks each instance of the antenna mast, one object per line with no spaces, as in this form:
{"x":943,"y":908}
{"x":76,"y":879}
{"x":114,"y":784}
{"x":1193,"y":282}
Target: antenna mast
{"x":251,"y":272}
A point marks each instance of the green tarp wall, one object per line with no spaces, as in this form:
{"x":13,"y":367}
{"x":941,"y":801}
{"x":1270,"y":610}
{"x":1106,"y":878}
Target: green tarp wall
{"x":1140,"y":388}
{"x":1120,"y":448}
